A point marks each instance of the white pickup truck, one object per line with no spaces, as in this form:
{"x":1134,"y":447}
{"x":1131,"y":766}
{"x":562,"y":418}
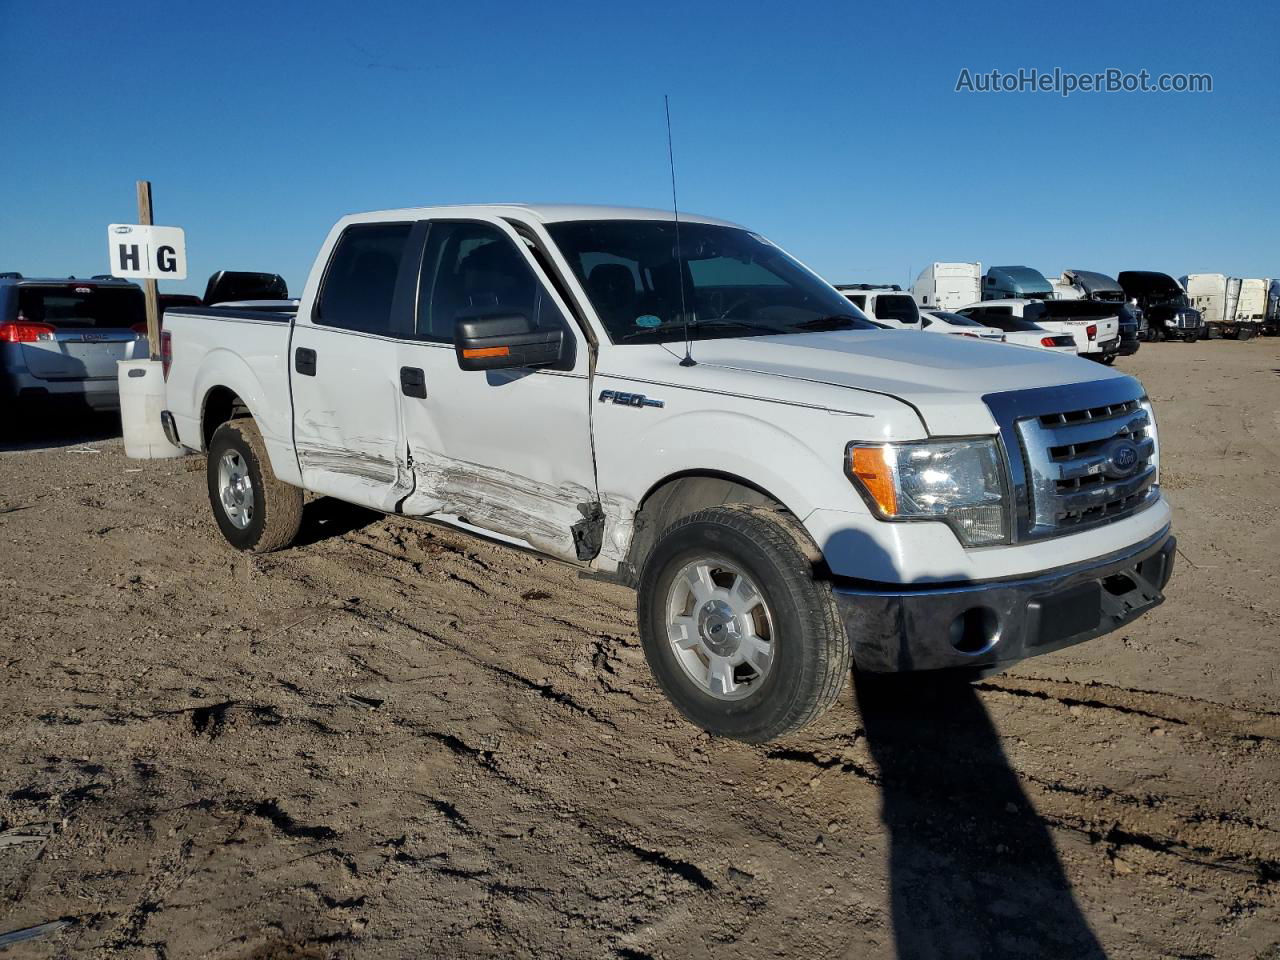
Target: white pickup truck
{"x":684,"y":408}
{"x":1095,"y":326}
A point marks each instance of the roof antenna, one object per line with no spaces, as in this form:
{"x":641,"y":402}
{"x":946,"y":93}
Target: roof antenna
{"x":688,"y":360}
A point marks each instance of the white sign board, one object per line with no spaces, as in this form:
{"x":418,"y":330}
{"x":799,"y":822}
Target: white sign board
{"x":148,"y":253}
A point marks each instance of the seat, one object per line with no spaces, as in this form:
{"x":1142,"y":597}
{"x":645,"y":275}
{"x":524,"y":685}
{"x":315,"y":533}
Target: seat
{"x":612,"y":289}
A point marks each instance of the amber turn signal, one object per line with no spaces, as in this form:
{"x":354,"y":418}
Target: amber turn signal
{"x":478,"y":353}
{"x":871,"y":467}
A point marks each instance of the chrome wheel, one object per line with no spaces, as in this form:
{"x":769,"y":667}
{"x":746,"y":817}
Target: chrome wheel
{"x":720,"y":629}
{"x":235,"y":489}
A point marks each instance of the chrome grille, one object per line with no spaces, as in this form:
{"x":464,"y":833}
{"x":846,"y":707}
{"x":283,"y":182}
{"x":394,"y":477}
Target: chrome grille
{"x":1086,"y":466}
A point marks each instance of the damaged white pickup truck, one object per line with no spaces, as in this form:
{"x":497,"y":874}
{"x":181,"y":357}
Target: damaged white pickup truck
{"x":683,"y":407}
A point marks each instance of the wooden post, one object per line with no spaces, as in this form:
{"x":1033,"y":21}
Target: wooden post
{"x":149,"y":286}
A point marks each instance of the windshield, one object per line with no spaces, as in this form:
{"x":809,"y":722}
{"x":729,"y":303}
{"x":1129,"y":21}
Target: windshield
{"x":82,"y":306}
{"x":735,"y":283}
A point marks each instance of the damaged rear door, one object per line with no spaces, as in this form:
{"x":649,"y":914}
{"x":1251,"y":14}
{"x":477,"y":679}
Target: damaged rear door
{"x":508,"y":451}
{"x":347,"y":429}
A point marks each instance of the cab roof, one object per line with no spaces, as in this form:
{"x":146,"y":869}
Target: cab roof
{"x":545,"y":213}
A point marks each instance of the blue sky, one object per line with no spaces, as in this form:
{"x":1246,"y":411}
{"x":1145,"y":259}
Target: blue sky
{"x":833,"y":128}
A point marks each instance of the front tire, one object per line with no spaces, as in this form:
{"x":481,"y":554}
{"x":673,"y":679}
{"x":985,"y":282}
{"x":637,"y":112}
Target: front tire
{"x":738,"y":633}
{"x":253,"y":509}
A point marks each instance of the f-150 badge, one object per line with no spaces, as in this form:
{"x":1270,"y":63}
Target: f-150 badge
{"x":628,"y":399}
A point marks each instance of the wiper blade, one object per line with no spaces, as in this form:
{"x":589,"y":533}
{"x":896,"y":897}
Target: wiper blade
{"x":722,"y":322}
{"x":834,"y":322}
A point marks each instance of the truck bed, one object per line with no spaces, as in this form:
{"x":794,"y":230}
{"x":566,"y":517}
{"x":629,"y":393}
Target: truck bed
{"x":231,"y":354}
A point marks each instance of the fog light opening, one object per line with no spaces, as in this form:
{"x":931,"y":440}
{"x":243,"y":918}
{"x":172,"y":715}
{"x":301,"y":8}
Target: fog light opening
{"x":975,"y":631}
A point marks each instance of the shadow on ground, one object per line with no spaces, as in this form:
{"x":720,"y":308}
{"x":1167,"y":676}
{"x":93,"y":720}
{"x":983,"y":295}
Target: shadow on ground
{"x":973,"y":870}
{"x":35,"y":428}
{"x":325,"y":518}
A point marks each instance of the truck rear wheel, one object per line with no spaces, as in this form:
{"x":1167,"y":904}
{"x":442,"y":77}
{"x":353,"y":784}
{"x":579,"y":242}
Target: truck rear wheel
{"x":739,"y":635}
{"x":254,"y":510}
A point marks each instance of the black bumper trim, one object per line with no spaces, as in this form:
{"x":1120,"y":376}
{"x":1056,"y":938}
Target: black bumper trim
{"x":1002,"y":622}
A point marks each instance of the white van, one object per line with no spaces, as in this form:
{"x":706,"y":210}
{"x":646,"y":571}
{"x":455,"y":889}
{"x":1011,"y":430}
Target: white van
{"x":945,"y":286}
{"x":888,"y":306}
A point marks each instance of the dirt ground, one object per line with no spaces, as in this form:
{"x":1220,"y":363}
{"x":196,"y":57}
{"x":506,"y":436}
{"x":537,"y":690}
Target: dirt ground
{"x":394,"y":741}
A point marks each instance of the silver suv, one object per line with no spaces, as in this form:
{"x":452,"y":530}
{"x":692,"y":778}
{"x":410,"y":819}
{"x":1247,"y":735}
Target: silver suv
{"x":60,"y":339}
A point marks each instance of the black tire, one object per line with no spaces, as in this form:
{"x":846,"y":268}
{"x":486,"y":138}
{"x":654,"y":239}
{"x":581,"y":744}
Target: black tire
{"x":276,"y":512}
{"x":810,"y":649}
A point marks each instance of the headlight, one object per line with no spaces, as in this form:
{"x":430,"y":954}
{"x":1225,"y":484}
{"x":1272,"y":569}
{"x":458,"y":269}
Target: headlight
{"x":960,"y":482}
{"x":1153,"y":433}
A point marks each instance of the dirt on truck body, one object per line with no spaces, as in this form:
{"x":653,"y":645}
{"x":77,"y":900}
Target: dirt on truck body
{"x":392,"y":740}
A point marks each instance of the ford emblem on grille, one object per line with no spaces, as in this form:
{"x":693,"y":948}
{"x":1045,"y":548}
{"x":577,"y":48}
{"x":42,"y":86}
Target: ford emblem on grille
{"x":1124,"y":457}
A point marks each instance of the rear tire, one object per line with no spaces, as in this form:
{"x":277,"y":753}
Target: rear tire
{"x":253,"y":509}
{"x":739,"y":635}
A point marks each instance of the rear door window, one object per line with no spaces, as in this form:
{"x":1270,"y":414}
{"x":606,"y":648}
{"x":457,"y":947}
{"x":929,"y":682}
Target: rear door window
{"x":360,"y":282}
{"x":82,"y":306}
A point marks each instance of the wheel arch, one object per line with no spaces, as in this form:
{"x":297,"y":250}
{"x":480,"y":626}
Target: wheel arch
{"x":682,"y":494}
{"x":220,"y":404}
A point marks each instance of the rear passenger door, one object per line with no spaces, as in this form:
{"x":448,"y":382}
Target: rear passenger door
{"x":344,"y":373}
{"x":506,"y":451}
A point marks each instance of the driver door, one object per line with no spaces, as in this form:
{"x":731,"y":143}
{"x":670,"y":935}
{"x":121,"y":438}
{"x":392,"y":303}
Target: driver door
{"x":507,"y":451}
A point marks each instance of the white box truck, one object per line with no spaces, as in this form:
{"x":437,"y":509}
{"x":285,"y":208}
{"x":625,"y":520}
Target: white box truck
{"x":1251,"y":308}
{"x":946,"y":286}
{"x":1217,"y":297}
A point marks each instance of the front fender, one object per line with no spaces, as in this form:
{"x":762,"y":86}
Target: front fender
{"x":793,"y":453}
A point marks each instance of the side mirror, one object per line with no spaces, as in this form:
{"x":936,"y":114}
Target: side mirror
{"x":504,"y":341}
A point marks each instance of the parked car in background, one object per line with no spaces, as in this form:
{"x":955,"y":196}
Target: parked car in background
{"x":945,"y":286}
{"x":943,"y":321}
{"x":1133,"y":327}
{"x":227,"y":286}
{"x":1164,"y":304}
{"x":1076,"y":284}
{"x":796,"y":493}
{"x":167,"y":301}
{"x":888,"y":305}
{"x":1017,"y":331}
{"x":60,"y":339}
{"x":1015,"y":283}
{"x":1094,"y":332}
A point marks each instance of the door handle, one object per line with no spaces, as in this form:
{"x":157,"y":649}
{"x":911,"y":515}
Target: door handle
{"x":304,"y":361}
{"x":413,"y":382}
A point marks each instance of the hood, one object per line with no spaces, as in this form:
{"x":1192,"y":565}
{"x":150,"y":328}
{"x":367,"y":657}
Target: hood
{"x":943,"y":378}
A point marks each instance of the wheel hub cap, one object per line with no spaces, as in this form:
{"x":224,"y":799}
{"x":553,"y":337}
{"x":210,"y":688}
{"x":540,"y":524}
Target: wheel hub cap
{"x":720,"y":629}
{"x":235,"y":489}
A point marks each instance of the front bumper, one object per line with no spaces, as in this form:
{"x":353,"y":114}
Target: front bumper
{"x":988,"y":626}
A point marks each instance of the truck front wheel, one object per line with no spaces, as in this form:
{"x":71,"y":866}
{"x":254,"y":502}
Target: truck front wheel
{"x":254,"y":510}
{"x":739,"y":635}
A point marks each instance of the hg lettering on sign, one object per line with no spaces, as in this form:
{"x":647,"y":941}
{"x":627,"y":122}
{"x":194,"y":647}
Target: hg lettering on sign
{"x":145,"y":252}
